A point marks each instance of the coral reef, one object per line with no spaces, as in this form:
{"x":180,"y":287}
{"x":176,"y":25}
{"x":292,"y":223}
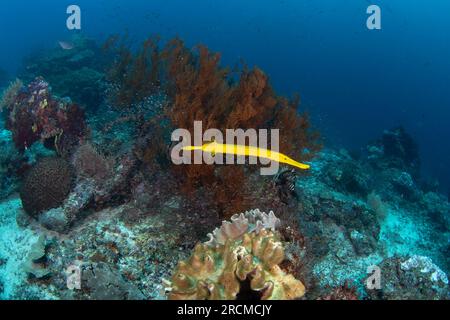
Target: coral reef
{"x":35,"y":262}
{"x":35,"y":115}
{"x":76,"y":73}
{"x":395,"y":149}
{"x":346,"y":231}
{"x":10,"y":94}
{"x":197,"y":88}
{"x":128,"y":256}
{"x":133,"y":77}
{"x":411,"y":278}
{"x":101,"y":282}
{"x":115,"y":207}
{"x":344,"y":292}
{"x":89,"y":163}
{"x":332,"y":238}
{"x":90,"y":193}
{"x":10,"y":162}
{"x":244,"y":250}
{"x":47,"y":185}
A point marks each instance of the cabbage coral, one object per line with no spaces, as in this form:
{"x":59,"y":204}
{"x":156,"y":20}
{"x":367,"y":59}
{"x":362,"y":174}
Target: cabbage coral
{"x":245,"y":250}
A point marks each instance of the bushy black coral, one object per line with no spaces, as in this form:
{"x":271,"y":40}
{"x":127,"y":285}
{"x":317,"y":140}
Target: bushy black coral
{"x":46,"y":185}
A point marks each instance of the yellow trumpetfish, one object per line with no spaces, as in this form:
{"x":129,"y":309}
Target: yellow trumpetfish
{"x":248,"y":151}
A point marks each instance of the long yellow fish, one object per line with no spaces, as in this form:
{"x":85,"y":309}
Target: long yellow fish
{"x":247,"y":151}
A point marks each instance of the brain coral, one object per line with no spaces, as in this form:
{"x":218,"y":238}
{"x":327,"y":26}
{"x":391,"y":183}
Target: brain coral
{"x":245,"y":264}
{"x":47,"y":185}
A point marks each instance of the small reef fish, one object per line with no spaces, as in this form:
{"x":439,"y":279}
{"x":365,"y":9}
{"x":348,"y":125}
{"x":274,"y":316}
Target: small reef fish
{"x":248,"y":151}
{"x":65,"y":45}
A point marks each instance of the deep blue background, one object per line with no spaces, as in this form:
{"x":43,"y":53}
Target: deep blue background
{"x":355,"y":82}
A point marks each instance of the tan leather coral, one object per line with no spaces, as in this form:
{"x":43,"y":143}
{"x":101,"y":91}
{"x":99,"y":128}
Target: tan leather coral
{"x":218,"y":269}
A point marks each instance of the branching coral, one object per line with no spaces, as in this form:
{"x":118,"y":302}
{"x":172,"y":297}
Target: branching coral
{"x":243,"y":251}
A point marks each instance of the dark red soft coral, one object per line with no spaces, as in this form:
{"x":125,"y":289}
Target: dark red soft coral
{"x":37,"y":115}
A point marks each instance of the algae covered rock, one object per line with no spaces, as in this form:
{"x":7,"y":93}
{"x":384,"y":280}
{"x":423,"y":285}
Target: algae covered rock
{"x":102,"y":282}
{"x":411,"y":278}
{"x":241,"y":260}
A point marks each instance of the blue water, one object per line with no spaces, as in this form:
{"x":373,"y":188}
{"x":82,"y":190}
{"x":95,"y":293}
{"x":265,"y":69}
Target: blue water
{"x":355,"y":82}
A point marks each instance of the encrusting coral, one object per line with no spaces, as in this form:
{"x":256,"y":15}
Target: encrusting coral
{"x":240,"y":260}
